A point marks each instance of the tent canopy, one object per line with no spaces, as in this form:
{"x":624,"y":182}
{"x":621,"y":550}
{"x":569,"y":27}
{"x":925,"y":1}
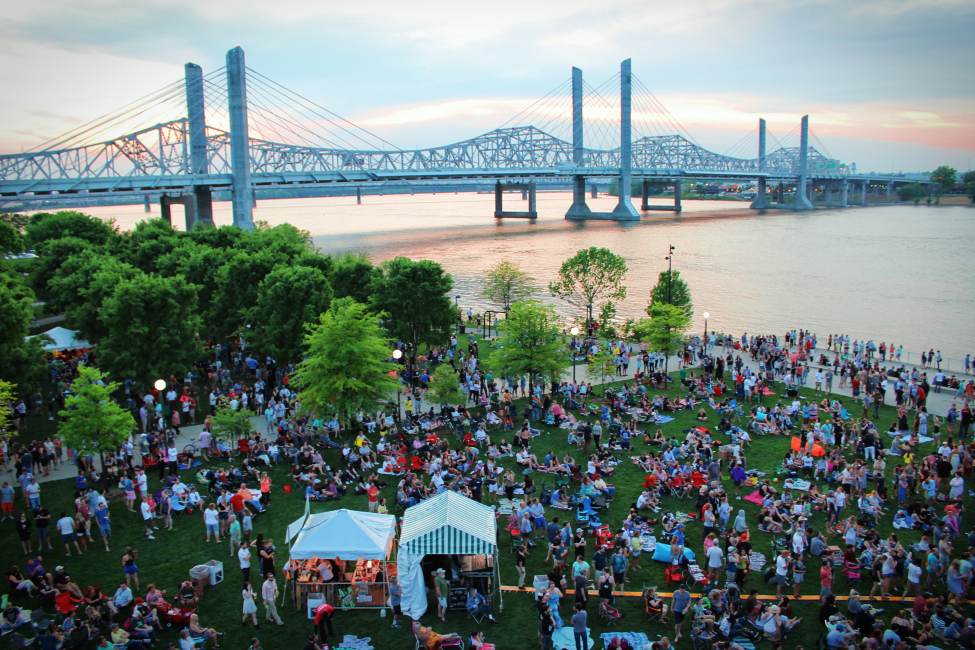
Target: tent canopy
{"x":343,"y":535}
{"x":449,"y":524}
{"x":61,"y":338}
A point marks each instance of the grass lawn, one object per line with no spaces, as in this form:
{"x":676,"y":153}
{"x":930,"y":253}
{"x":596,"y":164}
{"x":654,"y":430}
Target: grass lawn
{"x":167,"y":560}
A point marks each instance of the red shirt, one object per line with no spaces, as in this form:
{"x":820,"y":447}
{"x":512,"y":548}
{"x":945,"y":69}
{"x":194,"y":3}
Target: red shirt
{"x":321,"y":611}
{"x":373,"y":493}
{"x":237,"y":502}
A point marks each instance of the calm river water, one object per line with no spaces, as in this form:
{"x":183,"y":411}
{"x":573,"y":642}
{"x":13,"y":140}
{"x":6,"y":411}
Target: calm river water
{"x":902,"y":273}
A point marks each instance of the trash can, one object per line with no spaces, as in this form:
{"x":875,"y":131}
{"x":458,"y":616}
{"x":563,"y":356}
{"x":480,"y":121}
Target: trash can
{"x":216,"y":571}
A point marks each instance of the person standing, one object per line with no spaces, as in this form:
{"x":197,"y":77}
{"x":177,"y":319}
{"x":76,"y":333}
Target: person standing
{"x":323,"y":621}
{"x":681,"y":601}
{"x":130,"y":568}
{"x":244,"y":558}
{"x":211,"y":521}
{"x":66,"y":528}
{"x":148,"y":516}
{"x":104,"y":523}
{"x":395,"y":600}
{"x":580,"y":627}
{"x":521,"y":559}
{"x":442,"y":588}
{"x":249,"y":606}
{"x":546,"y":627}
{"x":269,"y":594}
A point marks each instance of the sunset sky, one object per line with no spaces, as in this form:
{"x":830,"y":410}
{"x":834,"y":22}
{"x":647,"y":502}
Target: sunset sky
{"x":888,"y":84}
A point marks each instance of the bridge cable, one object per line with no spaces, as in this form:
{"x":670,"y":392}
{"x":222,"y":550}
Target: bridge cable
{"x":544,"y":98}
{"x":288,"y":121}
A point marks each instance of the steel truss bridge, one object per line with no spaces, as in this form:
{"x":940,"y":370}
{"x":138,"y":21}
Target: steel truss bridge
{"x":186,"y":160}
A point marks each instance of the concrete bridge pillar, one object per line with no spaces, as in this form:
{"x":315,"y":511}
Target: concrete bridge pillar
{"x":528,"y":190}
{"x":624,"y":208}
{"x":164,"y":209}
{"x":358,"y":195}
{"x":802,"y":198}
{"x":890,"y":191}
{"x":863,"y":193}
{"x":678,"y":192}
{"x":148,"y":203}
{"x":196,"y":112}
{"x":243,"y":207}
{"x":645,"y":195}
{"x":760,"y":202}
{"x":844,"y":193}
{"x":578,"y":209}
{"x":593,"y":192}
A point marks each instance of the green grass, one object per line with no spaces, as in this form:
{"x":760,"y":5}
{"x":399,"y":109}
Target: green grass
{"x":167,"y":560}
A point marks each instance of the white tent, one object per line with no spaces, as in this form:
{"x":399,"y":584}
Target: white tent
{"x":63,"y":339}
{"x":446,"y":524}
{"x":342,"y":535}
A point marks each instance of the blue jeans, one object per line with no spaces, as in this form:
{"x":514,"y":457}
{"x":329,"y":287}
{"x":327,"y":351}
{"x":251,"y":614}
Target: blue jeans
{"x":582,"y":641}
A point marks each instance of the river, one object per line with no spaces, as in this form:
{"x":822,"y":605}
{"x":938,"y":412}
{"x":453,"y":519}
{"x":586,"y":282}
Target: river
{"x":905,"y":274}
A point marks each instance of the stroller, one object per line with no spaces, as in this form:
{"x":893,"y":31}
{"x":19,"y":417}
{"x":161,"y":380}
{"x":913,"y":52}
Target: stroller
{"x":608,"y":613}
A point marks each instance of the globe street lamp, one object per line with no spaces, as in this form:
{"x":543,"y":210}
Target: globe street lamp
{"x":397,"y":355}
{"x":574,"y":332}
{"x":706,"y":317}
{"x":160,"y":385}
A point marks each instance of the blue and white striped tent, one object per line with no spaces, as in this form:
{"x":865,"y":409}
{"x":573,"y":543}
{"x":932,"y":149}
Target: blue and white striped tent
{"x":449,"y":524}
{"x":446,"y":524}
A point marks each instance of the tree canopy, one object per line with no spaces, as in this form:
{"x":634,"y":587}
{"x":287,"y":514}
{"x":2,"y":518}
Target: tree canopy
{"x":47,"y":226}
{"x":414,"y":298}
{"x":92,"y":421}
{"x":445,"y":386}
{"x":7,"y":396}
{"x":671,"y":290}
{"x":352,"y":276}
{"x":21,"y":358}
{"x":591,"y":278}
{"x":346,"y":366}
{"x":505,"y":283}
{"x":530,"y":343}
{"x":945,"y":176}
{"x":664,"y":330}
{"x":151,"y":328}
{"x":288,"y":299}
{"x":230,"y":424}
{"x":968,"y":181}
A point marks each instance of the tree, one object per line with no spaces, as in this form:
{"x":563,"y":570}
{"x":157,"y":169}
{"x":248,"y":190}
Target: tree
{"x":7,"y":395}
{"x":531,"y":343}
{"x":589,"y":278}
{"x":46,"y":226}
{"x":151,"y":328}
{"x":445,"y":386}
{"x":414,"y":297}
{"x":236,"y":293}
{"x":21,"y":358}
{"x":11,"y":241}
{"x":92,"y":421}
{"x":671,"y":290}
{"x":147,"y":243}
{"x":346,"y":366}
{"x":664,"y":330}
{"x":602,"y":365}
{"x":81,"y":287}
{"x":51,"y":254}
{"x":505,"y":283}
{"x":968,"y":180}
{"x":945,"y":177}
{"x":230,"y":424}
{"x":288,"y":299}
{"x":352,"y":277}
{"x":911,"y":192}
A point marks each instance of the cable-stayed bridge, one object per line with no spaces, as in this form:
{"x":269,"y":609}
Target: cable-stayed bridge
{"x":237,"y":132}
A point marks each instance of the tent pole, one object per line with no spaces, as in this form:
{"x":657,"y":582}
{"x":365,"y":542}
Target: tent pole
{"x":497,"y":572}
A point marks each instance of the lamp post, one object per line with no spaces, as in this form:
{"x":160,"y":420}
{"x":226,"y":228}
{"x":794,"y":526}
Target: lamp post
{"x":575,"y":332}
{"x":670,"y":275}
{"x":397,"y":355}
{"x":460,"y":318}
{"x":706,"y":317}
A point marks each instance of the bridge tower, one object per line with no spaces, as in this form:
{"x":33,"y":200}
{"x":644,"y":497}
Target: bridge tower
{"x":625,"y":211}
{"x":802,"y":188}
{"x":240,"y":164}
{"x":761,"y":198}
{"x":579,"y":209}
{"x":199,"y":204}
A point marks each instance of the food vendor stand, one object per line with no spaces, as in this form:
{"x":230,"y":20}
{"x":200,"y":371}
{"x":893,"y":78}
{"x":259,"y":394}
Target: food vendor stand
{"x":448,"y":524}
{"x":344,"y":557}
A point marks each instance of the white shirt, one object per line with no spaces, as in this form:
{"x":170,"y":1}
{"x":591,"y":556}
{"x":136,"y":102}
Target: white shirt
{"x":781,"y":566}
{"x":211,"y":517}
{"x":715,"y":556}
{"x":146,"y":511}
{"x":66,"y":525}
{"x":244,"y":555}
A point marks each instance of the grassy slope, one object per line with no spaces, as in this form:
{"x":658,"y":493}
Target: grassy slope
{"x":167,"y":560}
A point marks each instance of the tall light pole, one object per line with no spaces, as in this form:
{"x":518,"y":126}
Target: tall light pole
{"x":575,"y":332}
{"x":706,"y":317}
{"x":460,"y":318}
{"x":397,"y":355}
{"x":670,"y":275}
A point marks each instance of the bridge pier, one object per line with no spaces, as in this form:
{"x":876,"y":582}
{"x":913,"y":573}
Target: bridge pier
{"x":802,"y":197}
{"x":844,"y":194}
{"x":148,"y":203}
{"x":528,"y":190}
{"x":863,"y":193}
{"x":889,"y":191}
{"x":624,"y":210}
{"x":164,"y":209}
{"x":646,"y":206}
{"x":593,"y":192}
{"x":358,"y":195}
{"x":202,"y":203}
{"x":240,"y":162}
{"x":578,"y":209}
{"x":760,"y":202}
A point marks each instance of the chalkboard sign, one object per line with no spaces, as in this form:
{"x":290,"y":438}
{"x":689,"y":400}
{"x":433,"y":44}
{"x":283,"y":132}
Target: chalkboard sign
{"x":457,"y":599}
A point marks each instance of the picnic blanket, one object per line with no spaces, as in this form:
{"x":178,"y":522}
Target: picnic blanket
{"x":662,"y":553}
{"x":796,"y":484}
{"x":755,"y":497}
{"x":352,"y":642}
{"x":756,"y":561}
{"x":636,"y":640}
{"x":663,"y":419}
{"x":907,"y":436}
{"x":563,"y":638}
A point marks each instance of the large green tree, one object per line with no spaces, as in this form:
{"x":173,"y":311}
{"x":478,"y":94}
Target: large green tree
{"x":47,"y":226}
{"x":590,"y":279}
{"x":671,"y":289}
{"x":230,"y":424}
{"x":505,"y":283}
{"x":151,"y":328}
{"x":530,"y":343}
{"x":51,"y":254}
{"x":288,"y":299}
{"x":21,"y":358}
{"x":346,"y":365}
{"x":92,"y":422}
{"x":945,"y":176}
{"x":7,"y":396}
{"x":414,"y":297}
{"x":968,"y":181}
{"x":352,"y":277}
{"x":236,"y":291}
{"x":148,"y":243}
{"x":81,"y":287}
{"x":664,"y":330}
